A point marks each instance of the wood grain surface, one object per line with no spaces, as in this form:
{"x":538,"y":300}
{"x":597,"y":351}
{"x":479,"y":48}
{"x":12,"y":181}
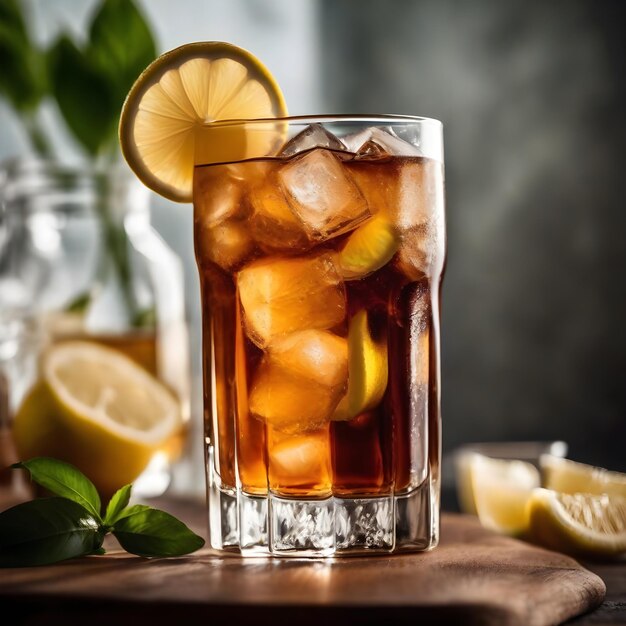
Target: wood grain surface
{"x":473,"y":577}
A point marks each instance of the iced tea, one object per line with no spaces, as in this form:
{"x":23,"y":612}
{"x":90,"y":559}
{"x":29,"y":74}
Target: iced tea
{"x":320,"y":272}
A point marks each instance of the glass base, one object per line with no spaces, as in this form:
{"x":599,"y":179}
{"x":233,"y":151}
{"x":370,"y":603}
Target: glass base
{"x":271,"y":525}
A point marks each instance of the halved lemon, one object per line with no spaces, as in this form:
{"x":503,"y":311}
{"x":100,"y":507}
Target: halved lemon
{"x":568,"y":476}
{"x":501,"y":491}
{"x":97,"y":409}
{"x":367,"y":370}
{"x":579,"y":524}
{"x":166,"y":124}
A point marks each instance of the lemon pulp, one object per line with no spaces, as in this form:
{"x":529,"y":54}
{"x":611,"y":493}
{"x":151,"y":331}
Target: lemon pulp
{"x":567,"y":476}
{"x":501,"y":490}
{"x":367,"y":370}
{"x":368,"y":248}
{"x":98,"y":410}
{"x":166,"y":124}
{"x":585,"y":524}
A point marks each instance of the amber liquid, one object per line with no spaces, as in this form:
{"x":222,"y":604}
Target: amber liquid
{"x":393,"y":446}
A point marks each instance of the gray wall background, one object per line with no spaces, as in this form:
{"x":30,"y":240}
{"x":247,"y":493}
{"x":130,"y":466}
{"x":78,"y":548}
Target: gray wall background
{"x":531,"y":95}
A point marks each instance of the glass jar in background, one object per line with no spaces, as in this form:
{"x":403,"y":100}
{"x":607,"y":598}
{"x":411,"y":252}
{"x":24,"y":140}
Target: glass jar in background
{"x":79,"y":255}
{"x":20,"y":343}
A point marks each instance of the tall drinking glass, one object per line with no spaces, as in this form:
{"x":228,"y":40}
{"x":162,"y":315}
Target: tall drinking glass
{"x":320,"y":271}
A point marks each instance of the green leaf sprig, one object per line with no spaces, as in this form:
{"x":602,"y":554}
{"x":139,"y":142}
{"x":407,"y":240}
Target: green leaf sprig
{"x":89,"y":80}
{"x":24,"y":76}
{"x":70,"y":524}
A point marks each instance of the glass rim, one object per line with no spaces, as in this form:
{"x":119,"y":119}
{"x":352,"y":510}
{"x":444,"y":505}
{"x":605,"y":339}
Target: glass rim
{"x":364,"y":118}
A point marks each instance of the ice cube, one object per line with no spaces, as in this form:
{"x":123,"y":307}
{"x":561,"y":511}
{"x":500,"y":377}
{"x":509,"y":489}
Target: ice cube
{"x":273,"y":223}
{"x":421,"y":250}
{"x":383,"y":138}
{"x":322,"y":195}
{"x":300,"y":380}
{"x":377,"y":180}
{"x":407,"y":193}
{"x":288,"y":401}
{"x":412,"y":259}
{"x":317,"y":355}
{"x":313,"y":136}
{"x":371,"y":151}
{"x":217,"y":195}
{"x":228,"y":243}
{"x":420,"y":192}
{"x":354,"y":141}
{"x":300,"y":460}
{"x":281,"y":296}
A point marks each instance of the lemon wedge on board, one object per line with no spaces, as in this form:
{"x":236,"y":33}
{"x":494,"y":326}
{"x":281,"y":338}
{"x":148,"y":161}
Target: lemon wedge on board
{"x":579,"y":524}
{"x":501,"y":490}
{"x":567,"y":476}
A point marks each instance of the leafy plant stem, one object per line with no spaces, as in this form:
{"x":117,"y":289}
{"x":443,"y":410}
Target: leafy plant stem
{"x":115,"y":241}
{"x":36,"y":135}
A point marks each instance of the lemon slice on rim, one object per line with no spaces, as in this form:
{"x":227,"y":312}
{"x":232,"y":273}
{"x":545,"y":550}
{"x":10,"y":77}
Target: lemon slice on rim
{"x":579,"y":524}
{"x":98,"y":410}
{"x":166,"y":121}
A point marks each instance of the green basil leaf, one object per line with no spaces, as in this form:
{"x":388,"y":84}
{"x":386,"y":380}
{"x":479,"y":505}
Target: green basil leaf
{"x":117,"y":504}
{"x":83,"y":95}
{"x":64,"y":480}
{"x":155,"y":533}
{"x":11,"y":16}
{"x":121,"y":45}
{"x":23,"y":79}
{"x":132,"y":510}
{"x":45,"y":531}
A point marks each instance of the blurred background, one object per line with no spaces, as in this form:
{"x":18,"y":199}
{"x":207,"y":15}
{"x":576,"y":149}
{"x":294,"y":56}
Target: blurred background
{"x":531,"y":95}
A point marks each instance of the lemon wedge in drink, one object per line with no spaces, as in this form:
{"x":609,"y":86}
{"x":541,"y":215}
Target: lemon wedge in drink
{"x":97,"y":409}
{"x":580,"y":524}
{"x":166,"y":124}
{"x":501,"y":490}
{"x":368,"y":248}
{"x":566,"y":476}
{"x":367,"y":370}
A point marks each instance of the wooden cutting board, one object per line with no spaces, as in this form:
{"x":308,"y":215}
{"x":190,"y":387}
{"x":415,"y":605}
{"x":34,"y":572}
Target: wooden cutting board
{"x":473,"y":577}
